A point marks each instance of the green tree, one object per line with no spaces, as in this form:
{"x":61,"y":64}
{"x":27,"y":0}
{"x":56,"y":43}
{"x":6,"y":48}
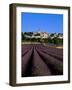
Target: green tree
{"x":22,"y":36}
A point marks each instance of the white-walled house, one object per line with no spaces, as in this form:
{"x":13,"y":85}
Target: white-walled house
{"x":44,"y":35}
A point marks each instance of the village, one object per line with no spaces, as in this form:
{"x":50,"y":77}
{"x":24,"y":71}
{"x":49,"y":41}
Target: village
{"x":42,"y":35}
{"x":42,"y":38}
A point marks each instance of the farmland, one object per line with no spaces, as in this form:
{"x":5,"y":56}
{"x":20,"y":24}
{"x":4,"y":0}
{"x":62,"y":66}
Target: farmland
{"x":40,"y":60}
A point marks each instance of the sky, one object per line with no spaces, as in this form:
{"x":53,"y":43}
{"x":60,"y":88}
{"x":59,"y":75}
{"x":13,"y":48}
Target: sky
{"x":34,"y":22}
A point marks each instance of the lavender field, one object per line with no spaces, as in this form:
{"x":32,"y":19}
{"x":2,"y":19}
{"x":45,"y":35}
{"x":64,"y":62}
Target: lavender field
{"x":40,"y":60}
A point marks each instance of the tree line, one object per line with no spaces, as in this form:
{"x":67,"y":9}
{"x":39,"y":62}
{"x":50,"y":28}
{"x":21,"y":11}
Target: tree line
{"x":48,"y":40}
